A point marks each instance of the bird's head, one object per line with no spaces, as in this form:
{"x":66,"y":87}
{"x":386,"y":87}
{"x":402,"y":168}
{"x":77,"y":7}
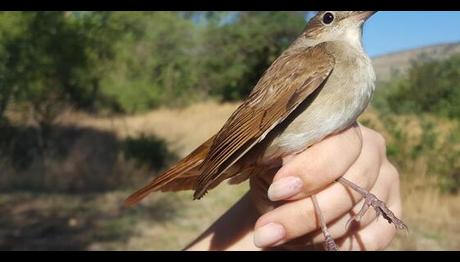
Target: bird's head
{"x":336,"y":26}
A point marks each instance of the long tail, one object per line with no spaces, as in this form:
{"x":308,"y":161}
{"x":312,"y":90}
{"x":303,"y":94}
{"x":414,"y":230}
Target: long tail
{"x":181,"y":176}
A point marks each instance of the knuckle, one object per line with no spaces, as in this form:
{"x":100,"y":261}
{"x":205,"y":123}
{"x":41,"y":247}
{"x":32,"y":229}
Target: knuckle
{"x":380,"y":140}
{"x":376,"y":141}
{"x":352,"y":137}
{"x":358,"y":138}
{"x":389,"y":170}
{"x":375,"y":136}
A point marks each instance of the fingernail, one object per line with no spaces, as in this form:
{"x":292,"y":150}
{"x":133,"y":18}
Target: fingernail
{"x":269,"y":234}
{"x":284,"y":188}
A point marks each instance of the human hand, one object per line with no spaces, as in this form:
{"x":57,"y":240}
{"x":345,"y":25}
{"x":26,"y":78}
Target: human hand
{"x":358,"y":154}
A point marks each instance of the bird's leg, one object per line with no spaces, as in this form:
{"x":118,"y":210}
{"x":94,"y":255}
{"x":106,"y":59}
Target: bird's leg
{"x":329,"y":243}
{"x":370,"y":200}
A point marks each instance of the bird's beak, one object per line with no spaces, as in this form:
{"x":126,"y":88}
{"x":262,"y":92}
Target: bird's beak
{"x":363,"y":15}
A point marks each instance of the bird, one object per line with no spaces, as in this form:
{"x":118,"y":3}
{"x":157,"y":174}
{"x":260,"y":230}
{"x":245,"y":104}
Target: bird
{"x":317,"y":87}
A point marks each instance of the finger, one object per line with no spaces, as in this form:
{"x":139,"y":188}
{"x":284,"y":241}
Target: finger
{"x":384,"y":188}
{"x":298,"y":217}
{"x":317,"y":167}
{"x":337,"y":228}
{"x":395,"y":189}
{"x":295,"y":218}
{"x":376,"y":236}
{"x":366,"y":167}
{"x":377,"y":138}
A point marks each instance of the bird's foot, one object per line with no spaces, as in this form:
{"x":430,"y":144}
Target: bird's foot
{"x":380,"y":209}
{"x":370,"y":200}
{"x":329,"y":243}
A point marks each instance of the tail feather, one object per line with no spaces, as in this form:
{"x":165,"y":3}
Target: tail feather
{"x":181,"y":176}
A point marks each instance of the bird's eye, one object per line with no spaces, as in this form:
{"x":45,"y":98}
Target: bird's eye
{"x":328,"y":18}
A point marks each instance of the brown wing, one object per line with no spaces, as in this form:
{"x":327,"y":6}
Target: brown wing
{"x":181,"y":176}
{"x":287,"y":83}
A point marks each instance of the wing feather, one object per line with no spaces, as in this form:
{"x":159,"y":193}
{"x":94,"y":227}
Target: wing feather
{"x":286,"y":84}
{"x":180,"y":176}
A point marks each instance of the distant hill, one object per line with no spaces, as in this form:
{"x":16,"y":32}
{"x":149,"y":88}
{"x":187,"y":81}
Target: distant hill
{"x":400,"y":61}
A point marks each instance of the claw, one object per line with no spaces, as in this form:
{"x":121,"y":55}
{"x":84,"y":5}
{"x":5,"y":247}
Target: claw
{"x":378,"y":213}
{"x":347,"y":225}
{"x":330,"y":244}
{"x":391,"y":218}
{"x":358,"y":216}
{"x":382,"y":210}
{"x":370,"y":200}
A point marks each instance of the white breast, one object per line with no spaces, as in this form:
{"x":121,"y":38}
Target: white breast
{"x":342,"y":99}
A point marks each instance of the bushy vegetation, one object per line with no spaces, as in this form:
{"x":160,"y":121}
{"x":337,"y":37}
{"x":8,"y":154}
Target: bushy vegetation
{"x":51,"y":60}
{"x":428,"y":87}
{"x":420,"y":112}
{"x":135,"y":61}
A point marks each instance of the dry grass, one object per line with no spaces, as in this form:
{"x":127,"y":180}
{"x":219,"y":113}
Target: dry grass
{"x":183,"y":129}
{"x":432,"y":217}
{"x":169,"y":221}
{"x":96,"y":221}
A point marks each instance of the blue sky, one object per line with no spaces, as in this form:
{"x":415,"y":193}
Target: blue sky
{"x":393,"y":31}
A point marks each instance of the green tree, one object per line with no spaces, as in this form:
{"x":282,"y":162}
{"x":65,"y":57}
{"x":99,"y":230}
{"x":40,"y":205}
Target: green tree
{"x":172,"y":58}
{"x":135,"y":61}
{"x":155,"y":61}
{"x":429,"y":86}
{"x":242,"y":47}
{"x":51,"y":63}
{"x":11,"y":25}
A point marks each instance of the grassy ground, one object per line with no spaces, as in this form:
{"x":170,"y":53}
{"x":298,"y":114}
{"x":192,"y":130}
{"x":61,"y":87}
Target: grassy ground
{"x":169,"y":221}
{"x":97,"y":222}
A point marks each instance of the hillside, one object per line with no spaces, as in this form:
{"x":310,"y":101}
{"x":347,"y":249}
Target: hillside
{"x":400,"y":61}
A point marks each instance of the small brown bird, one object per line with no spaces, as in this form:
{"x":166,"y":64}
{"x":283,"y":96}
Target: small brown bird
{"x":316,"y":87}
